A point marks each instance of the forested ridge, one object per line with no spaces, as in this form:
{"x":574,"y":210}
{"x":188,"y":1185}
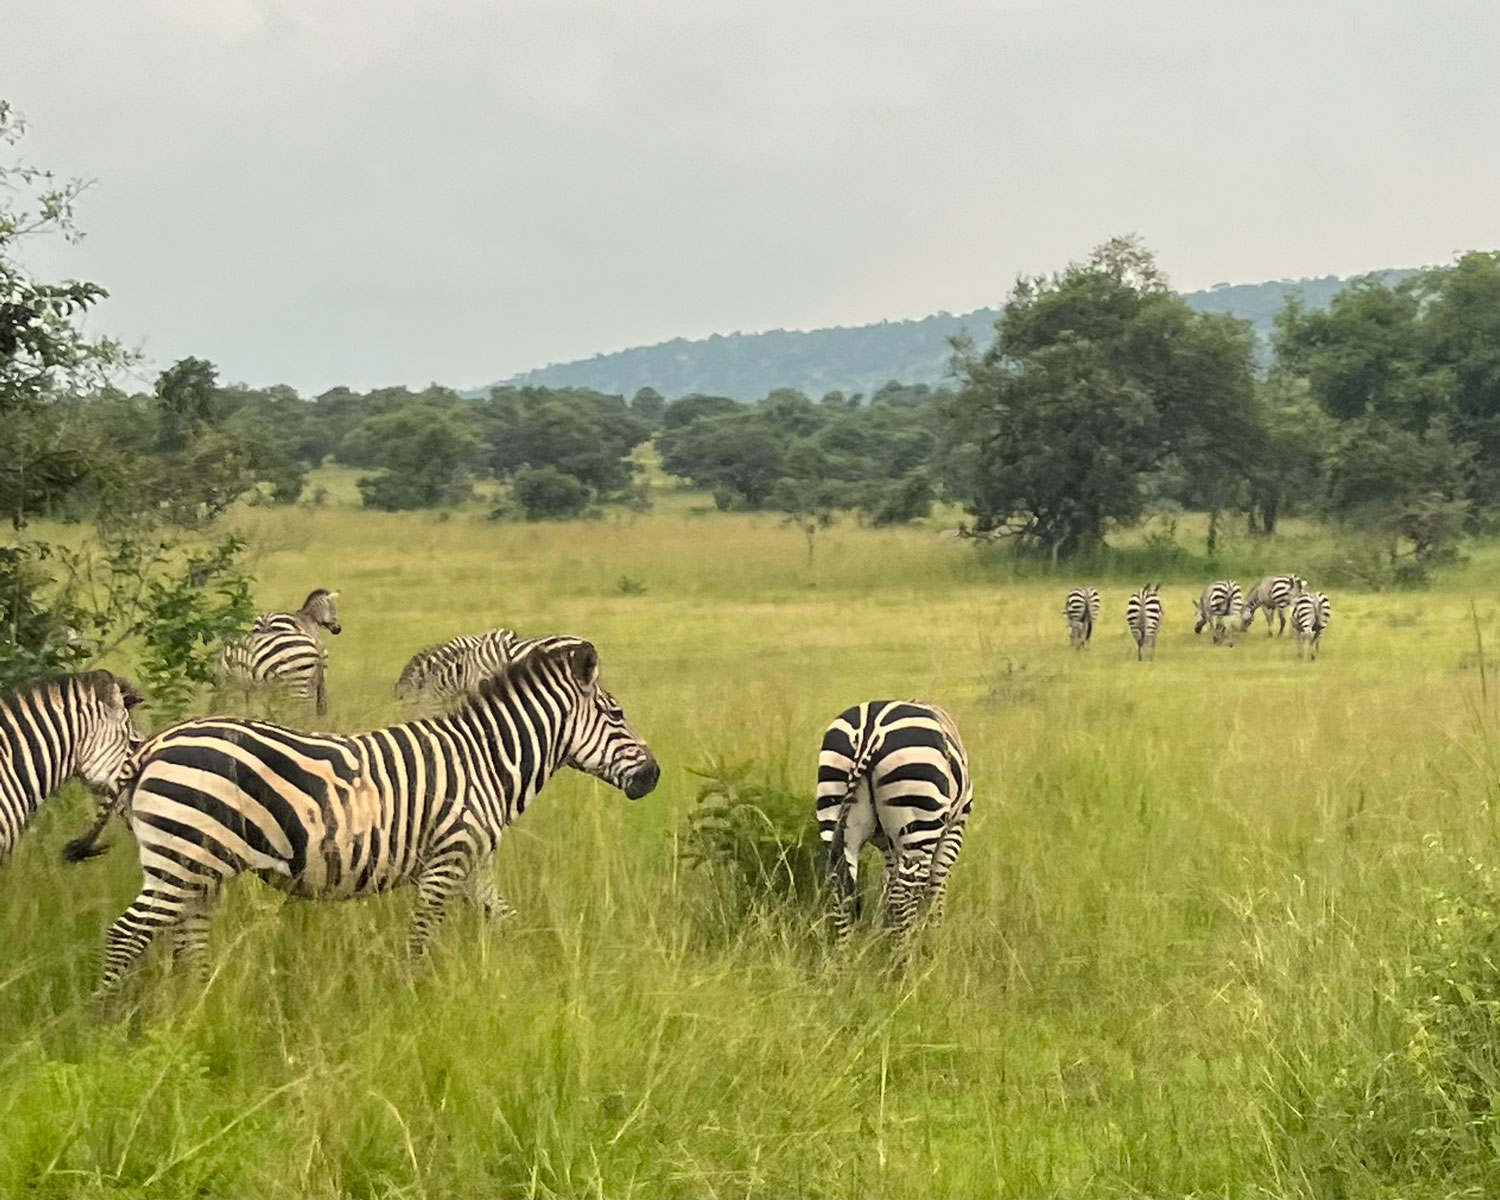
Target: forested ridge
{"x":861,"y":358}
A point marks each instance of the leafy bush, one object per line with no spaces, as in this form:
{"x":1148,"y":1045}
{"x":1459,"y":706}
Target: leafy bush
{"x":545,"y":493}
{"x":754,"y":846}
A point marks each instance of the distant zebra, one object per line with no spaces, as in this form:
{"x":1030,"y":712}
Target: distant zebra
{"x":1273,"y":594}
{"x":55,"y":729}
{"x":895,"y":773}
{"x":1081,"y":610}
{"x":1143,"y":613}
{"x":326,"y":815}
{"x":440,"y":675}
{"x":1221,"y":605}
{"x":1311,"y":612}
{"x":284,"y":648}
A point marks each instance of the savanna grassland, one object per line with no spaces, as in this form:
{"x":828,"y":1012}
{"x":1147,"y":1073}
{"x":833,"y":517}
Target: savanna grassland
{"x":1224,"y":923}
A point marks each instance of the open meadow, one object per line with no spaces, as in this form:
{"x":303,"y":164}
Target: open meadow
{"x":1225,"y":923}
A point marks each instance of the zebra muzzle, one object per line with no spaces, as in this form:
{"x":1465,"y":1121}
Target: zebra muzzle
{"x":642,"y":781}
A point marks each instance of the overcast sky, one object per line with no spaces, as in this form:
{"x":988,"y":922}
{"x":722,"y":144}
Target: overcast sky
{"x":379,"y":191}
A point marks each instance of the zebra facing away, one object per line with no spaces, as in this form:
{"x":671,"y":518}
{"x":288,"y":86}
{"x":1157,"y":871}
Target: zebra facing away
{"x":284,"y":648}
{"x":441,"y":675}
{"x":1081,"y":610}
{"x":895,"y":773}
{"x":1143,"y":613}
{"x":1311,"y":612}
{"x":1221,"y":605}
{"x":1273,"y":594}
{"x":55,"y":729}
{"x":327,"y":816}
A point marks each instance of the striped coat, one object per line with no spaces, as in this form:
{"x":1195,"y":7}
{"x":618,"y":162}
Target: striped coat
{"x":1081,"y":611}
{"x":442,"y":675}
{"x":1311,"y":612}
{"x":283,"y":649}
{"x":1143,"y":614}
{"x":57,"y":729}
{"x":342,"y":815}
{"x":893,"y":773}
{"x":1274,"y":595}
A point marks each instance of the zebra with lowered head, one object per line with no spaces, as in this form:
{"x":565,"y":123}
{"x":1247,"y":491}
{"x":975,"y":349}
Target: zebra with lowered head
{"x":1081,"y":610}
{"x":440,"y":675}
{"x":1143,"y":614}
{"x":1273,"y":594}
{"x":1221,"y":605}
{"x":894,"y":773}
{"x":1311,"y":612}
{"x":327,"y":816}
{"x":284,"y":648}
{"x":55,"y":729}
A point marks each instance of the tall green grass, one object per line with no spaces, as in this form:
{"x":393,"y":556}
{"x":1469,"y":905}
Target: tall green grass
{"x":1224,"y":923}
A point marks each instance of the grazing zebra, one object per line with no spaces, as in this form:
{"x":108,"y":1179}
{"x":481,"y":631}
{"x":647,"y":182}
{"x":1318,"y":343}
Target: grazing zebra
{"x":1274,"y":594}
{"x":54,"y":729}
{"x":325,"y":815}
{"x":1143,"y":615}
{"x":1311,"y":613}
{"x":442,"y":674}
{"x":1081,"y":609}
{"x":284,"y":648}
{"x":895,"y":773}
{"x":1221,"y":605}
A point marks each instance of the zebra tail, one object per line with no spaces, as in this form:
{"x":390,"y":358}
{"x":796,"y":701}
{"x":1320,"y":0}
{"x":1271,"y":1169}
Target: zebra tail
{"x":83,"y":848}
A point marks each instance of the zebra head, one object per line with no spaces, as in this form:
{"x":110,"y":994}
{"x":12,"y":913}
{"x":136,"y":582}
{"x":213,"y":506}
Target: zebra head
{"x":597,"y":738}
{"x":106,"y":734}
{"x":319,"y":609}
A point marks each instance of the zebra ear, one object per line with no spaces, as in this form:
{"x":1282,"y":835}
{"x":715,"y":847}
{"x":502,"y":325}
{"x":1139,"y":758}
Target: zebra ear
{"x":333,"y":595}
{"x":129,"y":696}
{"x":584,"y":660}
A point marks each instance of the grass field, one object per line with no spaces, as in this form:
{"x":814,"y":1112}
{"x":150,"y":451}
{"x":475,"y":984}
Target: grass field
{"x":1224,"y":924}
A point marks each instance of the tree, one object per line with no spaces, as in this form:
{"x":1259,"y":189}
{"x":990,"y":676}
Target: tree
{"x":545,"y":493}
{"x":738,"y":457}
{"x":648,"y":404}
{"x":425,"y":456}
{"x":1096,"y":377}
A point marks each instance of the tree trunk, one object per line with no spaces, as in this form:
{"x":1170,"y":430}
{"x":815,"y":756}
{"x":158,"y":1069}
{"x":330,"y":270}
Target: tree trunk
{"x":1213,"y":532}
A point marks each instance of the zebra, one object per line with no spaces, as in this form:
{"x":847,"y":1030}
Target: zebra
{"x":1221,"y":605}
{"x":1274,"y":594}
{"x":440,"y":675}
{"x":1311,"y":612}
{"x":55,"y":729}
{"x":895,"y":773}
{"x":283,"y":647}
{"x":1081,"y":609}
{"x":326,"y":816}
{"x":1143,"y":614}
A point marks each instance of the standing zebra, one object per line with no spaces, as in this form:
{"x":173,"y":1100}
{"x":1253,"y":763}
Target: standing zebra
{"x":1311,"y":613}
{"x":284,"y":648}
{"x":57,"y":728}
{"x":1081,"y":609}
{"x":326,"y":815}
{"x":1221,"y":605}
{"x":1274,"y":594}
{"x":893,"y":772}
{"x":1143,"y":614}
{"x":440,"y":675}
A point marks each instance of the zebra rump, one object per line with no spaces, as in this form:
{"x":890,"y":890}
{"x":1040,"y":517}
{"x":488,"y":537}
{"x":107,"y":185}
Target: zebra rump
{"x":441,"y":675}
{"x":1311,"y":612}
{"x":1143,"y":613}
{"x":1081,"y":611}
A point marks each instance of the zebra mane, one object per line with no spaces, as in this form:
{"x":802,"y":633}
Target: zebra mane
{"x":97,"y":683}
{"x":531,"y":655}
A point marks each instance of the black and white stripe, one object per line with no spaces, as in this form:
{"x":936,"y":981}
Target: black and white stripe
{"x":56,"y":729}
{"x":1143,"y":614}
{"x":334,"y":815}
{"x":1222,"y":605}
{"x":1273,"y":594}
{"x":1081,"y":610}
{"x":283,"y":648}
{"x":439,"y":676}
{"x":1311,"y":612}
{"x":894,"y":773}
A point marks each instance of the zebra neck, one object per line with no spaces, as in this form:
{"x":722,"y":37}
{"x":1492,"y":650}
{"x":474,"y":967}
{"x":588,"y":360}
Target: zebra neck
{"x":521,"y":739}
{"x":41,"y":746}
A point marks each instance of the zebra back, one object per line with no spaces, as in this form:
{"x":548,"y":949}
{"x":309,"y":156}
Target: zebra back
{"x":445,"y":673}
{"x":1143,"y":614}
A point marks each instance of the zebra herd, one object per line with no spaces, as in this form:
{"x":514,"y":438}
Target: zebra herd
{"x":424,"y":802}
{"x":1222,"y":607}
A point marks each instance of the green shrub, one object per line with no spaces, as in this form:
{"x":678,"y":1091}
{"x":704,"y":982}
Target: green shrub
{"x":545,"y":493}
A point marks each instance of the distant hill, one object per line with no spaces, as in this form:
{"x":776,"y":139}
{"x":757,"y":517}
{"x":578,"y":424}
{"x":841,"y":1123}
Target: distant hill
{"x":857,"y":358}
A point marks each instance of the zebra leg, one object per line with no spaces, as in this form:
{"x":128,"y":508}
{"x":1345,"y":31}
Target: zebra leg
{"x":943,"y":859}
{"x":155,"y":909}
{"x":435,"y":887}
{"x":903,"y":896}
{"x":843,"y":870}
{"x":487,"y":899}
{"x":189,"y":938}
{"x":320,"y":691}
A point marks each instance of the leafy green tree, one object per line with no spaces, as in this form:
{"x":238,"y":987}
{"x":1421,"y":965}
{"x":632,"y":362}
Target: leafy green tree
{"x":545,"y":493}
{"x":648,"y":404}
{"x":687,"y":409}
{"x":738,"y":457}
{"x":425,"y":454}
